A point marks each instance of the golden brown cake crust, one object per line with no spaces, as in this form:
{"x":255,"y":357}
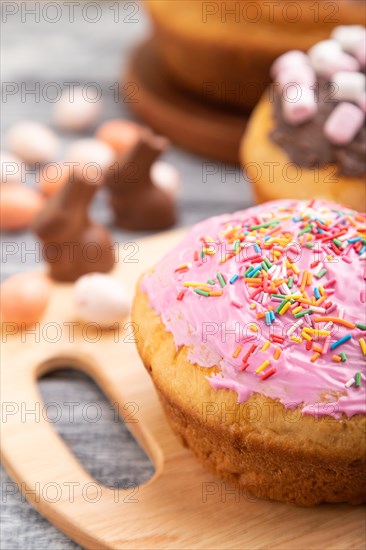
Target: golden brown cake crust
{"x":275,"y":176}
{"x":226,"y":58}
{"x":269,"y":451}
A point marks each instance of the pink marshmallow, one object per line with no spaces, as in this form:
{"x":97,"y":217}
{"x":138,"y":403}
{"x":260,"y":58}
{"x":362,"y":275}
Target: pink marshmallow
{"x":362,"y":102}
{"x":343,"y":124}
{"x":303,"y":75}
{"x":331,"y":64}
{"x":301,"y":110}
{"x":287,"y":60}
{"x":360,"y":50}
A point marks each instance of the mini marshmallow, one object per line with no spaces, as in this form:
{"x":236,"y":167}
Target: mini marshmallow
{"x":74,"y":112}
{"x":360,"y":50}
{"x":348,"y":36}
{"x":11,"y":168}
{"x":327,"y":58}
{"x":101,"y":299}
{"x":349,"y":86}
{"x":32,"y":142}
{"x":362,"y":102}
{"x":301,"y":110}
{"x":294,"y":58}
{"x":343,"y":123}
{"x":166,"y":177}
{"x":91,"y":157}
{"x":303,"y":75}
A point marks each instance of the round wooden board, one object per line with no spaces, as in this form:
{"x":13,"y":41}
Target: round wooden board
{"x":182,"y":506}
{"x":201,"y":127}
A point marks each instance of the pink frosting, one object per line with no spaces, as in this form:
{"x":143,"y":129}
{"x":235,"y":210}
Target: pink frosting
{"x":222,"y":330}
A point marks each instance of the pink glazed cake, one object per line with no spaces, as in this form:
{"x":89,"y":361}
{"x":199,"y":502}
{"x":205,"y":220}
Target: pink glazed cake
{"x":253,"y":331}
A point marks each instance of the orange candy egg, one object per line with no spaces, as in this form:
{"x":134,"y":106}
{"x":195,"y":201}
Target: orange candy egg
{"x":19,"y":204}
{"x":24,"y":298}
{"x":120,"y":134}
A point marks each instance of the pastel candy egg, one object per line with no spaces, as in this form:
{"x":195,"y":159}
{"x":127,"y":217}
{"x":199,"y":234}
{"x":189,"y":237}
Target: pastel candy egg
{"x":90,"y":157}
{"x":343,"y":123}
{"x":52,"y":178}
{"x":302,"y":109}
{"x":101,"y":299}
{"x":11,"y":167}
{"x":24,"y":298}
{"x":348,"y":36}
{"x":75,"y":111}
{"x":328,"y":58}
{"x":19,"y":205}
{"x":349,"y":86}
{"x":32,"y":142}
{"x":289,"y":59}
{"x":166,"y":177}
{"x":120,"y":134}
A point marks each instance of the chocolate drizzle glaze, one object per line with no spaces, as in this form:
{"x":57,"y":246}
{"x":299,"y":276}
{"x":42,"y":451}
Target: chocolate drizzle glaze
{"x":306,"y":144}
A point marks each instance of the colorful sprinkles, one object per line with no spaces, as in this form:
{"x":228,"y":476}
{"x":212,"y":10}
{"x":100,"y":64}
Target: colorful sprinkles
{"x":260,"y":255}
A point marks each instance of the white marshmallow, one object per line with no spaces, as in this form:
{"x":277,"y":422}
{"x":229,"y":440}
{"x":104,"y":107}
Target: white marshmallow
{"x":348,"y":36}
{"x":328,"y":58}
{"x":101,"y":299}
{"x":32,"y":142}
{"x":349,"y":86}
{"x":91,"y":157}
{"x":11,"y":167}
{"x":74,"y":112}
{"x":301,"y":110}
{"x":166,"y":177}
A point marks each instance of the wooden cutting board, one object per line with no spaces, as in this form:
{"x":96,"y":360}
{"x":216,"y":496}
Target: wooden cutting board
{"x":182,"y":506}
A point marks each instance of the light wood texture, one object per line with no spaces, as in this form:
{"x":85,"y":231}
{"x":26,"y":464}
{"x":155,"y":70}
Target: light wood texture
{"x":182,"y":506}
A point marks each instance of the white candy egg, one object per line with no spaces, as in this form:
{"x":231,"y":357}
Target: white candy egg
{"x":166,"y":177}
{"x":11,"y":167}
{"x":75,"y":112}
{"x":91,"y":157}
{"x":100,"y":299}
{"x":32,"y":142}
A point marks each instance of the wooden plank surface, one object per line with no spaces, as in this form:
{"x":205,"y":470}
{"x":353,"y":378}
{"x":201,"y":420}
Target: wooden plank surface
{"x":182,"y":506}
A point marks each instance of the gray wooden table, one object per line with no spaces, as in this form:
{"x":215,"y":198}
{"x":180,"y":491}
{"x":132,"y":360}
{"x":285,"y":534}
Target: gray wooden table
{"x":61,"y":46}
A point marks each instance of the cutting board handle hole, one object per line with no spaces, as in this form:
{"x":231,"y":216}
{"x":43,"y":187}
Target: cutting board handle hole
{"x":83,"y":415}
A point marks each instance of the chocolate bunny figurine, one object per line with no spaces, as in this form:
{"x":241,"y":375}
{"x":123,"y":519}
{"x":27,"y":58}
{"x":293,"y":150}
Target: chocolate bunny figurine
{"x":73,"y":244}
{"x":137,"y":203}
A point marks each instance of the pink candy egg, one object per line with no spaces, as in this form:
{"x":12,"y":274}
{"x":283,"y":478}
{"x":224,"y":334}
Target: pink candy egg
{"x":24,"y":298}
{"x":343,"y":123}
{"x":101,"y":299}
{"x":19,"y":204}
{"x":75,"y":111}
{"x":32,"y":142}
{"x":11,"y":167}
{"x":120,"y":134}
